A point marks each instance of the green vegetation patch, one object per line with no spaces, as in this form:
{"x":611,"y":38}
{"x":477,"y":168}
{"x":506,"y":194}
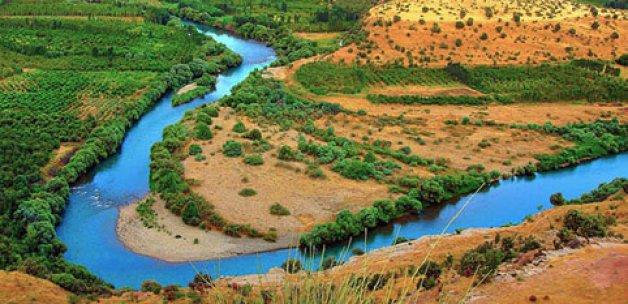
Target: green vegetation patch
{"x":148,"y":216}
{"x":325,"y":77}
{"x":556,"y":82}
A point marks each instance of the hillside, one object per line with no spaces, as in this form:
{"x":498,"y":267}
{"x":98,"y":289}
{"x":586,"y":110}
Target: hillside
{"x":487,"y":32}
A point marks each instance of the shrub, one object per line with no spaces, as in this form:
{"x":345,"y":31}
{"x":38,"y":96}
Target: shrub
{"x":246,"y":192}
{"x":151,"y":286}
{"x":239,"y":127}
{"x":459,"y":24}
{"x":470,"y":21}
{"x":482,"y":260}
{"x":530,"y":243}
{"x":429,"y":271}
{"x":203,"y":132}
{"x":586,"y":225}
{"x":286,"y":153}
{"x":292,"y":266}
{"x":254,"y":134}
{"x":278,"y":209}
{"x":355,"y":169}
{"x":195,"y":149}
{"x":232,"y":148}
{"x":254,"y":160}
{"x":484,"y":36}
{"x":557,"y":199}
{"x":191,"y":214}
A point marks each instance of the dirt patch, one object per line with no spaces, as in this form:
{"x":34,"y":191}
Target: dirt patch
{"x":60,"y":158}
{"x":317,"y":36}
{"x":427,"y":91}
{"x":187,"y":88}
{"x":424,"y":32}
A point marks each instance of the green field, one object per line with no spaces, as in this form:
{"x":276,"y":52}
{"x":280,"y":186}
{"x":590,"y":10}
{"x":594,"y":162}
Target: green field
{"x":78,"y":73}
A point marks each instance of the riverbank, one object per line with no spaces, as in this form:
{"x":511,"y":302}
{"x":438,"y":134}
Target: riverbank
{"x":174,"y":241}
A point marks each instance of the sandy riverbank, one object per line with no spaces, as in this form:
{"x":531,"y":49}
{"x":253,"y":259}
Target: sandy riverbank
{"x":164,"y":244}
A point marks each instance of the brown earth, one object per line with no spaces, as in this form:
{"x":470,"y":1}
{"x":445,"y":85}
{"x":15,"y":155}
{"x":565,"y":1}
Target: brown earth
{"x":538,"y":38}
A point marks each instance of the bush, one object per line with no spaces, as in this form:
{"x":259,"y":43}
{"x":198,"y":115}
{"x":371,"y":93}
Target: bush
{"x":530,"y":243}
{"x":254,"y":134}
{"x":586,"y":225}
{"x":355,"y":169}
{"x":151,"y":286}
{"x":482,"y":260}
{"x":278,"y":209}
{"x":557,"y":199}
{"x":292,"y":266}
{"x":246,"y":192}
{"x":195,"y":149}
{"x":429,"y":272}
{"x":254,"y":160}
{"x":232,"y":149}
{"x":286,"y":153}
{"x":239,"y":127}
{"x":203,"y":132}
{"x":191,"y":214}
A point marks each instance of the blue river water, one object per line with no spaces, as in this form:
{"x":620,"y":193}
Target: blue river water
{"x":88,"y":226}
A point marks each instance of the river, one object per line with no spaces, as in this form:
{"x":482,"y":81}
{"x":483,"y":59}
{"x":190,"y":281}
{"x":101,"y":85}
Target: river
{"x":88,"y":226}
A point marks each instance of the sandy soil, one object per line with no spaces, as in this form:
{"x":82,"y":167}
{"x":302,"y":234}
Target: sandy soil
{"x":187,"y":88}
{"x":165,"y":245}
{"x":537,"y":39}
